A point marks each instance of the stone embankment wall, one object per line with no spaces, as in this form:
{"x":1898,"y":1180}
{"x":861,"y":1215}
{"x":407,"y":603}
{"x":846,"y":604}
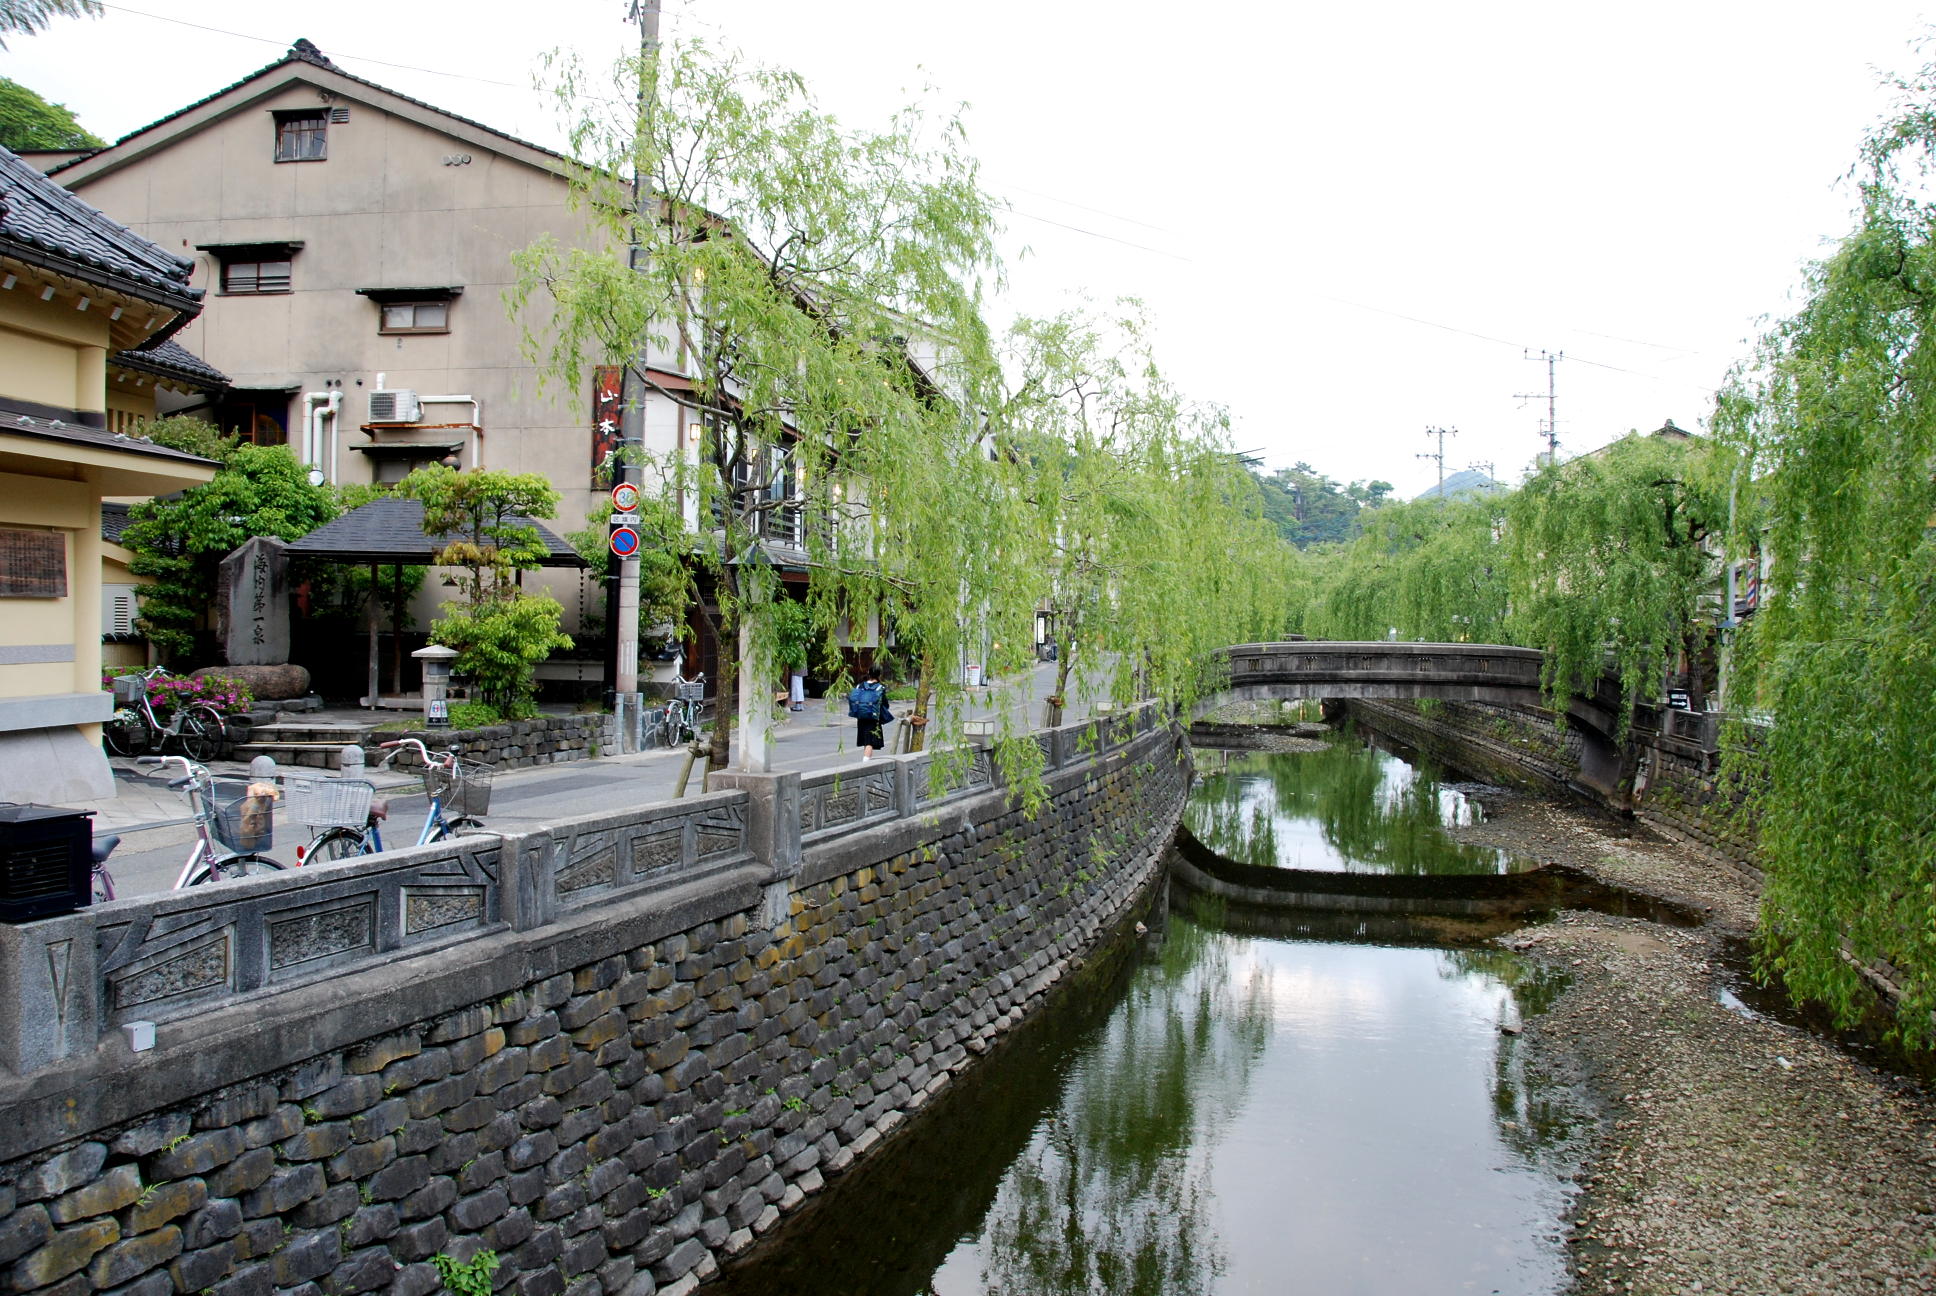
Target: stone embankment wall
{"x":612,"y":1053}
{"x":516,"y":744}
{"x":1674,"y":759}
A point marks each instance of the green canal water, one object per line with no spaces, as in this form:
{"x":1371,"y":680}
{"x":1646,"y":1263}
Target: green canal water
{"x":1232,"y":1111}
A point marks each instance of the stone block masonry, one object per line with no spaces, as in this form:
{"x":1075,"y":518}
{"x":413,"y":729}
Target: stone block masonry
{"x":643,"y":1038}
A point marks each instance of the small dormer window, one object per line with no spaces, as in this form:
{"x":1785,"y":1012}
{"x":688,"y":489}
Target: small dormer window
{"x":302,"y":135}
{"x":413,"y":310}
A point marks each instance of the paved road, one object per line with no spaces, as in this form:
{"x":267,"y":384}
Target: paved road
{"x":821,"y":737}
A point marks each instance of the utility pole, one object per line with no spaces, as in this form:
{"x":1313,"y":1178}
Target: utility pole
{"x":1439,"y":454}
{"x":1551,"y":430}
{"x":622,"y":597}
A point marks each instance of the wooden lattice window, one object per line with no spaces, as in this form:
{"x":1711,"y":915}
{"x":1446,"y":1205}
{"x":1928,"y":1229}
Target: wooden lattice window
{"x":33,"y":564}
{"x":302,"y":136}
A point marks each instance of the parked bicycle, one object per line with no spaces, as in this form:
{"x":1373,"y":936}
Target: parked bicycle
{"x":104,"y":880}
{"x":351,"y":816}
{"x":135,"y":728}
{"x":679,"y":719}
{"x":234,"y":823}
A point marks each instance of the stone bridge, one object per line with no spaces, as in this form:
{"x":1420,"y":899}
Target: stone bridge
{"x":1495,"y":673}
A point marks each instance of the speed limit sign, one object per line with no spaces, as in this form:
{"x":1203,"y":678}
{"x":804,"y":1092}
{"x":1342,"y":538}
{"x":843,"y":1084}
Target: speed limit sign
{"x":625,"y":497}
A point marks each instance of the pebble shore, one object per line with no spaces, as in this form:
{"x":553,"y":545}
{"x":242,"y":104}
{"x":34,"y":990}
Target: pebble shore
{"x":1735,"y":1153}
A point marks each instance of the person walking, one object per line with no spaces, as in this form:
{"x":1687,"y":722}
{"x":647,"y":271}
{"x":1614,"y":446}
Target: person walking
{"x":867,"y":704}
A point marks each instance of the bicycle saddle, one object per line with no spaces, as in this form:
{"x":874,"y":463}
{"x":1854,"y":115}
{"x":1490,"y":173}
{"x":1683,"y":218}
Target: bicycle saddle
{"x":104,"y":847}
{"x":380,"y":808}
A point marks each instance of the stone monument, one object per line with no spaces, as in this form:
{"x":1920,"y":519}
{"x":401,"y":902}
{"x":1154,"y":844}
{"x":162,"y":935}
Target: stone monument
{"x":254,"y":608}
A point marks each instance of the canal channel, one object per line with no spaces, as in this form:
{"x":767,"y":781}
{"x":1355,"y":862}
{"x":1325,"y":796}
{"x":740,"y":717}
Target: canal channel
{"x":1221,"y":1108}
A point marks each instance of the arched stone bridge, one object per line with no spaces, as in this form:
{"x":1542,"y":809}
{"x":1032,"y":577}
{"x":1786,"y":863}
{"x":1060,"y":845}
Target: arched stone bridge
{"x":1495,"y":673}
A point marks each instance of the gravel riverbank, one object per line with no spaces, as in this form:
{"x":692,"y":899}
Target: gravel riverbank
{"x":1736,"y":1154}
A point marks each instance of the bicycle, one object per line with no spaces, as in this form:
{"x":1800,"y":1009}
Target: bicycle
{"x":451,"y":784}
{"x":103,"y":885}
{"x":679,"y":718}
{"x":242,"y":822}
{"x":134,"y":727}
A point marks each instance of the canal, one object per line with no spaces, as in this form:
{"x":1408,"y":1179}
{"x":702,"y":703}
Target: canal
{"x":1222,"y":1109}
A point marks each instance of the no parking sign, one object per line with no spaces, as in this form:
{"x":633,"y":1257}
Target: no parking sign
{"x":625,"y":541}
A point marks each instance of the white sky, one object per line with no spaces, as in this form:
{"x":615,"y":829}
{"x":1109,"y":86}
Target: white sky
{"x":1635,"y":185}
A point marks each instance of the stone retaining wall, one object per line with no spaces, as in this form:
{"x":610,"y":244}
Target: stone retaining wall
{"x":613,"y":1053}
{"x":516,"y":744}
{"x":1674,"y":756}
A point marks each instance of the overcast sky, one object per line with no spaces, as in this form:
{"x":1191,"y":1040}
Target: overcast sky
{"x":1350,"y":221}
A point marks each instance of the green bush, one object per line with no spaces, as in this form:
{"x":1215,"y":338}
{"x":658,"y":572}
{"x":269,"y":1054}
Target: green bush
{"x":499,"y":643}
{"x":473,"y":715}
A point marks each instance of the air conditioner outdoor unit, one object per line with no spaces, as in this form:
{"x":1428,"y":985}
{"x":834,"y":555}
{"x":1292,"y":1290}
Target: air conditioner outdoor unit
{"x":396,"y":406}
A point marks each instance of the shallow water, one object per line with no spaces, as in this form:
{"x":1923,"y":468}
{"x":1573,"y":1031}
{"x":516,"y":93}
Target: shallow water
{"x":1346,"y":808}
{"x":1233,"y":1112}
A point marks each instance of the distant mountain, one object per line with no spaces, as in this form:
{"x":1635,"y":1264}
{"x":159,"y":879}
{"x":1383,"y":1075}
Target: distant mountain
{"x":1467,"y":481}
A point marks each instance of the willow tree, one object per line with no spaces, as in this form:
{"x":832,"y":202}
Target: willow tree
{"x":820,"y":288}
{"x":1612,"y":565}
{"x":1145,"y":528}
{"x":1431,"y":569}
{"x":1837,"y":418}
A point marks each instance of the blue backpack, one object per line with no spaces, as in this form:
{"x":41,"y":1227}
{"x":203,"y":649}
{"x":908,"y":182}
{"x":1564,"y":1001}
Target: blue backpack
{"x":864,"y":703}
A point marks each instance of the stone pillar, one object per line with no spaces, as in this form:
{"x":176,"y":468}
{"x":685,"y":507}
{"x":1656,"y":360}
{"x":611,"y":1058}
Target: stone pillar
{"x":253,"y":606}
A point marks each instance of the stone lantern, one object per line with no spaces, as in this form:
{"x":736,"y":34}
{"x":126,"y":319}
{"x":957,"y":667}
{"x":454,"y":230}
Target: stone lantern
{"x":437,"y":661}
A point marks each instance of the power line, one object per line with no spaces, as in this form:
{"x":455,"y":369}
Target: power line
{"x":1174,"y":256}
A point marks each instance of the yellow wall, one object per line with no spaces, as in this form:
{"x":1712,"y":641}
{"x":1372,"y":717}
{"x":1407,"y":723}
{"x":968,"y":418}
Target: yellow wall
{"x":51,"y":353}
{"x":45,"y":504}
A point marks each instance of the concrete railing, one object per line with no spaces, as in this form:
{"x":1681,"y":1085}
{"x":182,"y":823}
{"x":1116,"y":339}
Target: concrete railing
{"x":67,"y":983}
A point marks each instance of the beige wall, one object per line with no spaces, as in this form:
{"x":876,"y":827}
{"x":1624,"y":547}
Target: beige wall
{"x":51,"y":353}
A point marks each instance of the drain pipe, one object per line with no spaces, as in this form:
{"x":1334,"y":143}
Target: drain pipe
{"x":311,"y":439}
{"x":329,"y":412}
{"x":476,"y":424}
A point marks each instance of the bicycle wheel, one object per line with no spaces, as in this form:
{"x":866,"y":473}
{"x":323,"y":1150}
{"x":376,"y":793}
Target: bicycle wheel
{"x":199,"y":738}
{"x":125,"y":734}
{"x":458,"y":827}
{"x":235,"y":866}
{"x":336,"y":844}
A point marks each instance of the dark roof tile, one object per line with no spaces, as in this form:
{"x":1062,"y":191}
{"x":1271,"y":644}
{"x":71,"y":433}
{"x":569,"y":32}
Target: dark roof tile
{"x":172,"y":360}
{"x":390,"y":530}
{"x":44,"y":224}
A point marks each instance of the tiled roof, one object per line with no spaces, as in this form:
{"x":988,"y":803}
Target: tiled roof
{"x":304,"y":51}
{"x":390,"y":530}
{"x":97,"y":438}
{"x":45,"y":225}
{"x":114,"y":520}
{"x":173,"y":360}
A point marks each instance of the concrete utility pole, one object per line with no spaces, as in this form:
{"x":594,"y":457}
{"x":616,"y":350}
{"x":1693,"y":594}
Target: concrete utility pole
{"x":622,"y":602}
{"x":1551,"y":429}
{"x":1439,"y":454}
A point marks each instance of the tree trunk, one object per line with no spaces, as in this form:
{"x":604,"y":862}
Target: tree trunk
{"x":917,"y":730}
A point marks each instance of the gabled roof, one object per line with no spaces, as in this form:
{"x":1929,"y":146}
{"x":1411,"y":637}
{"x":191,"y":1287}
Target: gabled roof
{"x":301,"y":56}
{"x":390,"y":530}
{"x":43,"y":225}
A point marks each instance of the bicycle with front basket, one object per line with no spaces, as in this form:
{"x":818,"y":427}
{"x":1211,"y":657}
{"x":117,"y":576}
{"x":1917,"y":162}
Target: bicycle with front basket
{"x":349,"y":815}
{"x":134,"y":727}
{"x":234,"y":823}
{"x":679,"y":718}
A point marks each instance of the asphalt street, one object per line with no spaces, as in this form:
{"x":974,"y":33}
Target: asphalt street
{"x":821,"y":737}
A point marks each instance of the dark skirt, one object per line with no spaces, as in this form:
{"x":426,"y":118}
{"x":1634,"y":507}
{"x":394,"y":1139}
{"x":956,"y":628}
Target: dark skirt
{"x":867,"y":733}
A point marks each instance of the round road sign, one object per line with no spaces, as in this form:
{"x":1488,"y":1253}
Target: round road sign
{"x":625,"y":497}
{"x":625,"y":542}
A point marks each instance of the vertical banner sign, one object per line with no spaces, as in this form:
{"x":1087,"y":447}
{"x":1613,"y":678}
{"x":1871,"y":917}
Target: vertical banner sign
{"x":607,"y":385}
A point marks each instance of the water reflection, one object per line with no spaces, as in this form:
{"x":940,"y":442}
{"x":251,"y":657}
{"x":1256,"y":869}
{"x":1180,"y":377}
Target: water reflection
{"x":1344,"y":808}
{"x":1239,"y":1112}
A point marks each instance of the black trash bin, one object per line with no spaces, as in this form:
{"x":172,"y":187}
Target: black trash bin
{"x":46,"y":861}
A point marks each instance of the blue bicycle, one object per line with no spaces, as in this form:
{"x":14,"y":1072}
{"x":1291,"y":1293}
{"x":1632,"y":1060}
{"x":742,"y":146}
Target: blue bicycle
{"x":351,"y":816}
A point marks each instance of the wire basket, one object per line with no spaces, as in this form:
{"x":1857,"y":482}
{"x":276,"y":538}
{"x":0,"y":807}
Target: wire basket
{"x":129,"y":689}
{"x":466,"y":790}
{"x":242,"y":822}
{"x":690,"y":691}
{"x":329,"y":803}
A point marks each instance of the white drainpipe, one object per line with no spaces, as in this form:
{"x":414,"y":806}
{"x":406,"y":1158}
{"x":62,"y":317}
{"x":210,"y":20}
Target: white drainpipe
{"x":311,"y":447}
{"x":330,"y":412}
{"x":477,"y":421}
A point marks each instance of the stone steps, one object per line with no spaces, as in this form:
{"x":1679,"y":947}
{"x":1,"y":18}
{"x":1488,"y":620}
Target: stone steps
{"x":316,"y":746}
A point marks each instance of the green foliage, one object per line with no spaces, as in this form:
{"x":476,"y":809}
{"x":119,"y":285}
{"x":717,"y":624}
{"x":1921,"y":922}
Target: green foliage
{"x":1309,"y":508}
{"x":665,"y":579}
{"x":499,"y":642}
{"x":188,"y":434}
{"x":478,"y":514}
{"x":1428,"y":569}
{"x":31,"y":16}
{"x":473,"y":715}
{"x":466,"y":1277}
{"x":1609,"y":562}
{"x":29,"y":122}
{"x":181,"y":540}
{"x":1836,"y":422}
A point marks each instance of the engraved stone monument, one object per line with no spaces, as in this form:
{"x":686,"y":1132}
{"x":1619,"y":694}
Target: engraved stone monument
{"x":255,"y":603}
